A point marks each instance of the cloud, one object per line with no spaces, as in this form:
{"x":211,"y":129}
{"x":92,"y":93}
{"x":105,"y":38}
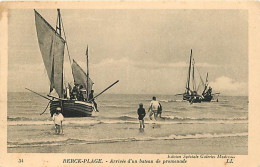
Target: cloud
{"x":33,"y":76}
{"x":148,"y":65}
{"x":135,"y":77}
{"x":228,"y":86}
{"x":205,"y":65}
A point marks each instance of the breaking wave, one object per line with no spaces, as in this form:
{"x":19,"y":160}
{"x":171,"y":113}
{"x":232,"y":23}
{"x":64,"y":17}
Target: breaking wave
{"x":72,"y":141}
{"x":18,"y":118}
{"x":203,"y":119}
{"x":133,"y":120}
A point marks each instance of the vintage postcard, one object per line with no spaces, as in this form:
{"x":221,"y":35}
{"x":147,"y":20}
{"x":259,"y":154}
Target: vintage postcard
{"x":130,"y":84}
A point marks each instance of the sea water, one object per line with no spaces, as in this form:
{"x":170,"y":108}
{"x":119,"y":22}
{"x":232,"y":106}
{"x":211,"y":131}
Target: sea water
{"x":225,"y":121}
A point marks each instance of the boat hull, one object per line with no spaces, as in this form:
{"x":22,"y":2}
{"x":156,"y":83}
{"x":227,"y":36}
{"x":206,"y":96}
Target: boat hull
{"x":207,"y":98}
{"x":72,"y":108}
{"x":186,"y":97}
{"x":198,"y":99}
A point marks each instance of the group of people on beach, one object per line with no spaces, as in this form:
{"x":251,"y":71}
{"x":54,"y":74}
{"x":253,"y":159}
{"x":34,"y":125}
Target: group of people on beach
{"x":78,"y":92}
{"x":155,"y":108}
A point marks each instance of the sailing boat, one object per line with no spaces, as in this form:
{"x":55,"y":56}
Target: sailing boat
{"x":191,"y":93}
{"x":52,"y":46}
{"x":207,"y":92}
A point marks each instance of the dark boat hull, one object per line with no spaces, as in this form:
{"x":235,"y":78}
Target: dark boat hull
{"x":186,"y":97}
{"x":191,"y":98}
{"x":207,"y":98}
{"x":198,"y":99}
{"x":72,"y":108}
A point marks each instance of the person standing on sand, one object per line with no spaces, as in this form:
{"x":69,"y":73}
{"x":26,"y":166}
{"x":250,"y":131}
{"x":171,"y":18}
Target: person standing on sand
{"x":154,"y":108}
{"x":57,"y":119}
{"x":141,"y":114}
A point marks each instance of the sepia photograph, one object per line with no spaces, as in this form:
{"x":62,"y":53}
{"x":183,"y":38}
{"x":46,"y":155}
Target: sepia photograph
{"x":172,"y":82}
{"x":183,"y":74}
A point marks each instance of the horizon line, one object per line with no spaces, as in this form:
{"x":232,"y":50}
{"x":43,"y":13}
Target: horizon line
{"x":152,"y":94}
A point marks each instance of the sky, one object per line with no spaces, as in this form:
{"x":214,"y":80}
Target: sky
{"x":147,"y":50}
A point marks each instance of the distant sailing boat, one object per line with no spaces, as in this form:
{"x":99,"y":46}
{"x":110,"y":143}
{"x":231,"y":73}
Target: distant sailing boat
{"x":191,"y":93}
{"x":52,"y":46}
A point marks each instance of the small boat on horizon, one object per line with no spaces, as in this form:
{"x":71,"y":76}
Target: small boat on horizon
{"x":191,"y":93}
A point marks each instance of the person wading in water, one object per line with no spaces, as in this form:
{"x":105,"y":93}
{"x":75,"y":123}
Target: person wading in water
{"x":57,"y":119}
{"x":141,"y":114}
{"x":154,"y":108}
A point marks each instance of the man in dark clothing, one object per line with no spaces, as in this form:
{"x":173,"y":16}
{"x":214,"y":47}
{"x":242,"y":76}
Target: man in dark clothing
{"x":159,"y":113}
{"x":141,"y":114}
{"x":91,"y":98}
{"x":75,"y":92}
{"x":81,"y":96}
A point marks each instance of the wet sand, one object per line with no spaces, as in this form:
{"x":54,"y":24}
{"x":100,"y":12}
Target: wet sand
{"x":188,"y":146}
{"x":111,"y":138}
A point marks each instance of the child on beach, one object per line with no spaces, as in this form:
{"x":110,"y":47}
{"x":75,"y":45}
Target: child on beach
{"x":57,"y":119}
{"x":141,"y":115}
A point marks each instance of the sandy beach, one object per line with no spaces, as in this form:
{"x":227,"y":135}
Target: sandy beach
{"x":158,"y":138}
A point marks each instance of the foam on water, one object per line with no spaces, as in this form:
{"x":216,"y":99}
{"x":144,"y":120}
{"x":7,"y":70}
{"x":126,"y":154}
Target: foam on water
{"x":126,"y":120}
{"x":118,"y":113}
{"x":71,"y":141}
{"x":205,"y":119}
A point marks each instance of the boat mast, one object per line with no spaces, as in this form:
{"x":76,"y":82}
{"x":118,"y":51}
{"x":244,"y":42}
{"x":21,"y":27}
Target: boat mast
{"x":87,"y":75}
{"x":58,"y":31}
{"x":66,"y":43}
{"x":207,"y":79}
{"x":206,"y":85}
{"x":58,"y":24}
{"x":188,"y":81}
{"x":193,"y":75}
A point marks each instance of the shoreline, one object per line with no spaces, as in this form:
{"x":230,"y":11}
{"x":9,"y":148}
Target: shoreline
{"x":195,"y":146}
{"x":111,"y":138}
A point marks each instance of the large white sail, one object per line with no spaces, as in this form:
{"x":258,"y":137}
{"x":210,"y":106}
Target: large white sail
{"x":52,"y":50}
{"x":80,"y":77}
